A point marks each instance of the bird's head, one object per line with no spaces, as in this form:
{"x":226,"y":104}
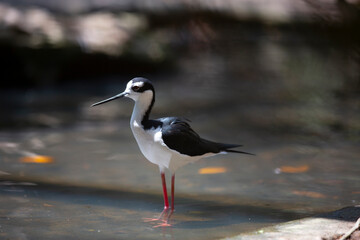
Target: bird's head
{"x":136,"y":89}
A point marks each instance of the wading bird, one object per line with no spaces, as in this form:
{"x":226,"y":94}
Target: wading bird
{"x":168,"y":142}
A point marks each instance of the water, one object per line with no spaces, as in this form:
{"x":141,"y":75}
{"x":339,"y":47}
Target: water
{"x":287,"y":101}
{"x":98,"y":185}
{"x":53,"y":211}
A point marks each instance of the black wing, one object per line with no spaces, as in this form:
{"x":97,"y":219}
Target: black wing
{"x":179,"y":136}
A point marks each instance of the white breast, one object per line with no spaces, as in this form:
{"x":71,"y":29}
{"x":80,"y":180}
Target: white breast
{"x":151,"y":145}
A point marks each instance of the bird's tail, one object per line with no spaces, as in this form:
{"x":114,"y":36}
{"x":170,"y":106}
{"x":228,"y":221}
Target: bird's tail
{"x":227,"y":148}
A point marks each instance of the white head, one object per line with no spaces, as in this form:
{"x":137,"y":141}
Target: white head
{"x":138,"y":89}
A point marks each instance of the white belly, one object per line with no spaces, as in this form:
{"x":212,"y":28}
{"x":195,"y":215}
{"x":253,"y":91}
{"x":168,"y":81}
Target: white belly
{"x":153,"y":148}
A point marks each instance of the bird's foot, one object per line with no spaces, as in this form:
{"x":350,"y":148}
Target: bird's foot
{"x":150,"y":219}
{"x":164,"y":224}
{"x":163,"y":218}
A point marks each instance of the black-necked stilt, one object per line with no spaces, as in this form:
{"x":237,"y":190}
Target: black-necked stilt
{"x":168,"y":142}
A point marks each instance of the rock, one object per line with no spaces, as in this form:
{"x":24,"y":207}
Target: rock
{"x":323,"y":227}
{"x":282,"y":11}
{"x":101,"y":32}
{"x":106,"y":32}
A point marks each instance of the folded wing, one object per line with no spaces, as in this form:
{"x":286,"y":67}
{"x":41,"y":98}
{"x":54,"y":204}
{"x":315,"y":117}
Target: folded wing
{"x":179,"y":136}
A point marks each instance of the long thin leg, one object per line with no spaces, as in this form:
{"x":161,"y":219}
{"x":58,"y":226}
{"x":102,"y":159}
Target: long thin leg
{"x":173,"y":192}
{"x":166,"y":200}
{"x":168,"y":215}
{"x":164,"y":214}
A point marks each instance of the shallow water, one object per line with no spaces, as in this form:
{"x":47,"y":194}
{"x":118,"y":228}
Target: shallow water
{"x":53,"y":212}
{"x":98,"y":185}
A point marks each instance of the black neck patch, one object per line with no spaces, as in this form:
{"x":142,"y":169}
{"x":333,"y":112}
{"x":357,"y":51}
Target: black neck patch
{"x":145,"y":86}
{"x":151,"y":124}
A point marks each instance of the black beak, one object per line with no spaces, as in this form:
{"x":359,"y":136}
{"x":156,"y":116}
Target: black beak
{"x":123,"y":94}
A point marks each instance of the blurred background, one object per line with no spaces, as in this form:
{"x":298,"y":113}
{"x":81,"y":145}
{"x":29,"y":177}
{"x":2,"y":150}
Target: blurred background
{"x":282,"y":78}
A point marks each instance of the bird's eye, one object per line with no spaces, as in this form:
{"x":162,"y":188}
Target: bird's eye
{"x":135,"y":88}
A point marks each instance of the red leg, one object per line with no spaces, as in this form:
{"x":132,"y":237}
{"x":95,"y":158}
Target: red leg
{"x":173,"y":192}
{"x":166,"y":200}
{"x":167,"y":216}
{"x":164,"y":213}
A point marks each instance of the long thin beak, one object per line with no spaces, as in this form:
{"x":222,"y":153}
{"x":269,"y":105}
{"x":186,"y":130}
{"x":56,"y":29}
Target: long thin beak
{"x":123,"y":94}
